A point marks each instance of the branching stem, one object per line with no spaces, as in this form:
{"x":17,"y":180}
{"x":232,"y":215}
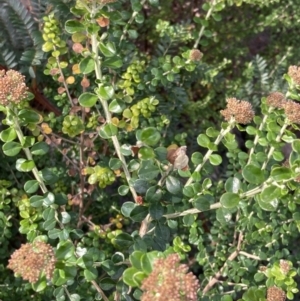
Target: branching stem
{"x":209,"y":12}
{"x":104,"y":103}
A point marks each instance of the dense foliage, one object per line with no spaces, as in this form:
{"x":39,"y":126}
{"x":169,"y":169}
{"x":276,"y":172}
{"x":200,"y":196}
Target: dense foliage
{"x":149,"y":150}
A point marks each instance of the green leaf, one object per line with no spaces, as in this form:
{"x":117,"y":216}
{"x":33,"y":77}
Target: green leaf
{"x":215,"y":159}
{"x":49,"y":224}
{"x":229,"y":200}
{"x":267,"y":206}
{"x":116,"y":106}
{"x":88,"y":99}
{"x":188,"y":220}
{"x":107,"y":284}
{"x":153,"y":194}
{"x":138,"y":213}
{"x":29,"y":116}
{"x":212,"y":132}
{"x":105,"y":92}
{"x":59,"y":292}
{"x":40,"y":148}
{"x":253,"y":174}
{"x":173,"y":185}
{"x":188,"y":191}
{"x":133,"y":165}
{"x":123,"y":190}
{"x":108,"y":50}
{"x":36,"y":201}
{"x":28,"y":141}
{"x":40,"y":285}
{"x":108,"y":130}
{"x":203,"y":140}
{"x":59,"y":277}
{"x":203,"y":202}
{"x":197,"y":158}
{"x":281,"y":173}
{"x":232,"y":185}
{"x":48,"y":213}
{"x":65,"y":249}
{"x":296,"y":145}
{"x":75,"y":297}
{"x":126,"y":149}
{"x":148,"y":260}
{"x":49,"y":199}
{"x":128,"y":276}
{"x":270,"y":194}
{"x":141,"y":186}
{"x":73,"y":26}
{"x":113,"y":62}
{"x":31,"y":186}
{"x":156,"y":210}
{"x":135,"y":259}
{"x":11,"y":148}
{"x":124,"y":240}
{"x":87,"y":65}
{"x":115,"y":163}
{"x":65,"y":217}
{"x":127,"y":207}
{"x":8,"y":135}
{"x":217,"y":17}
{"x":227,"y":298}
{"x":90,"y":274}
{"x":146,"y":153}
{"x":139,"y":277}
{"x":24,"y":165}
{"x":148,"y":170}
{"x":48,"y":176}
{"x":150,"y":136}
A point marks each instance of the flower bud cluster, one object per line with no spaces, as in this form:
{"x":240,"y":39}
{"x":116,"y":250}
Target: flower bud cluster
{"x":275,"y":294}
{"x":169,"y":280}
{"x":32,"y":259}
{"x":240,"y":110}
{"x":292,"y":111}
{"x":294,"y":73}
{"x":276,"y":100}
{"x":196,"y":55}
{"x":284,"y":266}
{"x":12,"y":87}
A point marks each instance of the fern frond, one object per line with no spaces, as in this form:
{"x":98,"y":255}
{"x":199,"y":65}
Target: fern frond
{"x":22,"y":40}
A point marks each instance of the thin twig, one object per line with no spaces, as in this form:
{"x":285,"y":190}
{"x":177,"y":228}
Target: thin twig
{"x":203,"y":27}
{"x":231,"y":257}
{"x":99,"y":290}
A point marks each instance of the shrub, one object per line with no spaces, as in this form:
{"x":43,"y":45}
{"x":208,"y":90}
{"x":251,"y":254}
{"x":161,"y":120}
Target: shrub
{"x":120,"y":199}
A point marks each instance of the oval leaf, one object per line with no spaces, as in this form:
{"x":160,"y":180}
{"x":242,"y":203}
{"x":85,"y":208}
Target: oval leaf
{"x":87,"y":99}
{"x":253,"y":174}
{"x":230,"y":200}
{"x":150,"y":136}
{"x":87,"y":65}
{"x":108,"y":130}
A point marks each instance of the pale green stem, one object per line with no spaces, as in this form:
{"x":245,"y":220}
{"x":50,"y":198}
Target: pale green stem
{"x":34,"y":170}
{"x":29,"y":156}
{"x":209,"y":152}
{"x":257,"y":137}
{"x":67,"y":292}
{"x":99,"y":290}
{"x":64,"y":81}
{"x":264,"y":185}
{"x":83,"y":3}
{"x":129,"y":23}
{"x":191,"y":211}
{"x":203,"y":27}
{"x":278,"y":138}
{"x":104,"y":103}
